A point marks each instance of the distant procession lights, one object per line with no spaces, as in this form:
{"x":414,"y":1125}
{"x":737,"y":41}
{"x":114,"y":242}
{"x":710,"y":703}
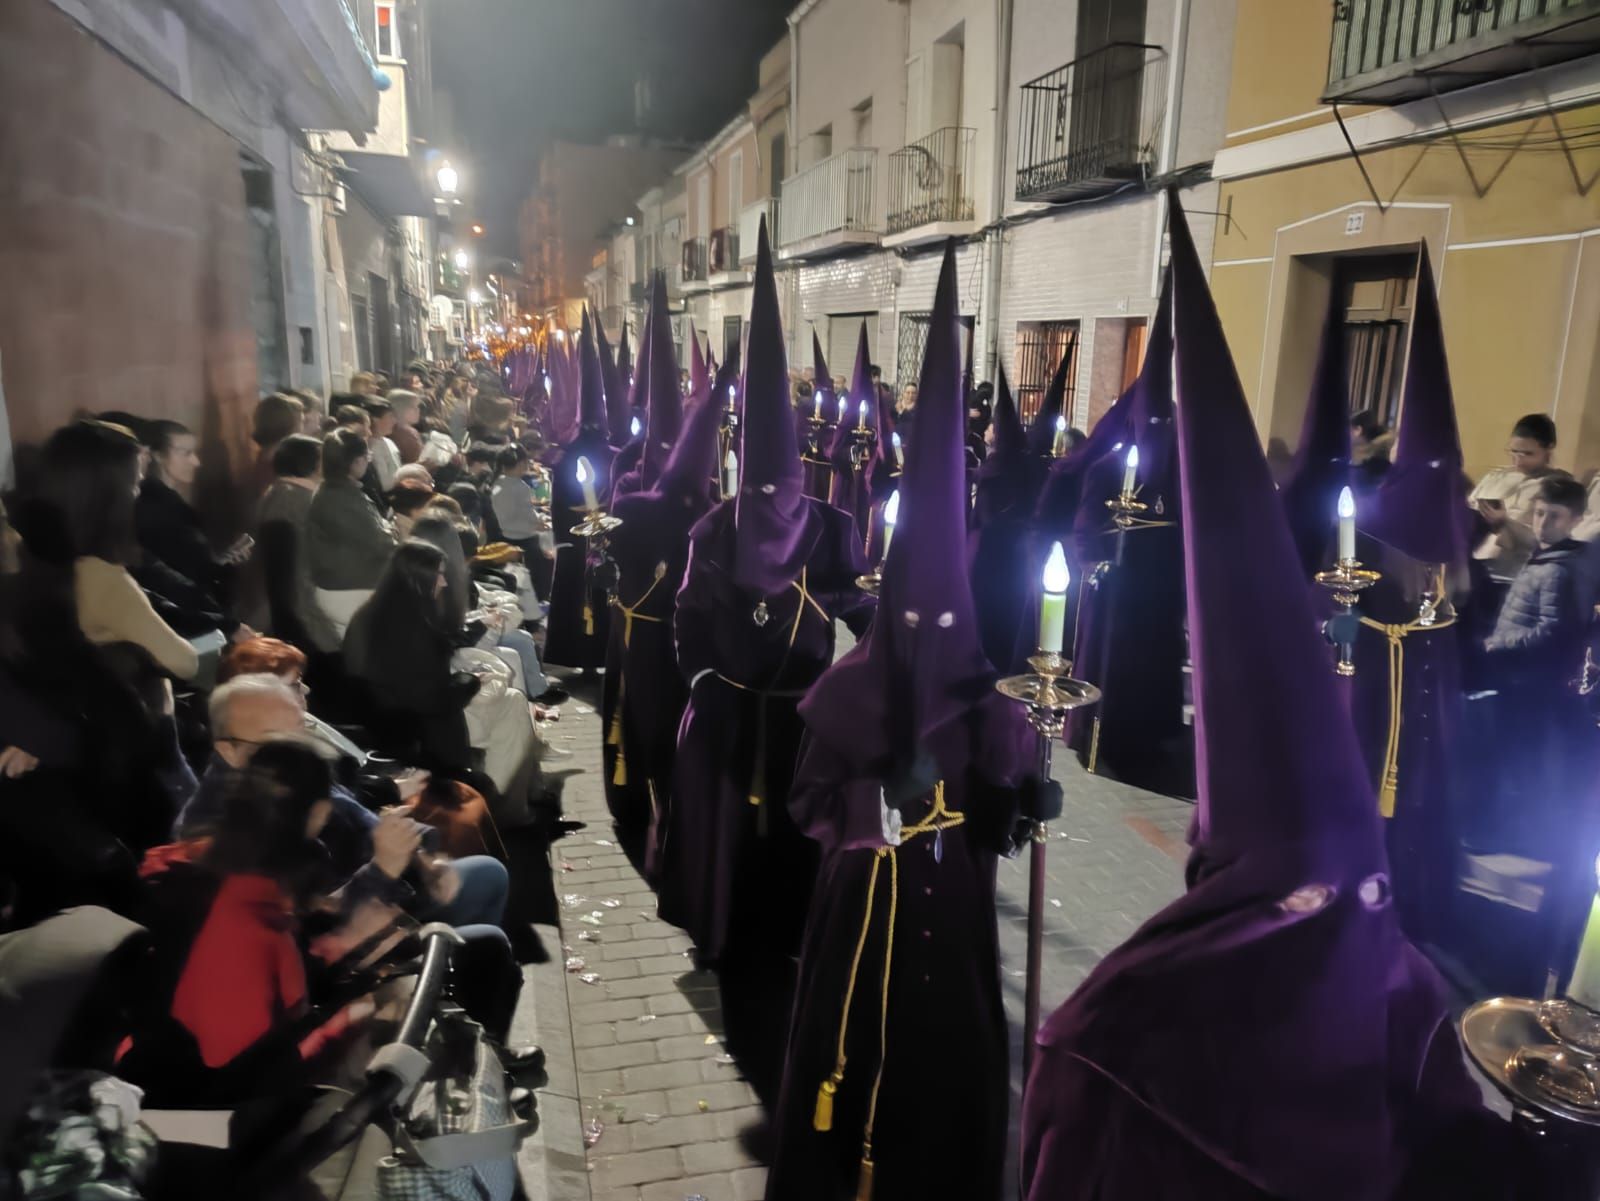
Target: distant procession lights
{"x":462,"y":260}
{"x":449,"y":180}
{"x":474,"y":296}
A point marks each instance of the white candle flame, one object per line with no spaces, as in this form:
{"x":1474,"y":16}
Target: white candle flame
{"x":1057,"y":577}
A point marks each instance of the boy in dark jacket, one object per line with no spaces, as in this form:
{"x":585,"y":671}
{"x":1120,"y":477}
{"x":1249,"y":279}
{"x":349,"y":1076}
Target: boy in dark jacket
{"x":1540,"y":627}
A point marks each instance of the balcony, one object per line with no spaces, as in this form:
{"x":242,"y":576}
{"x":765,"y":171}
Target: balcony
{"x":1391,"y":51}
{"x":692,"y":270}
{"x":930,"y":188}
{"x":1091,"y":127}
{"x":750,"y":228}
{"x":829,"y":207}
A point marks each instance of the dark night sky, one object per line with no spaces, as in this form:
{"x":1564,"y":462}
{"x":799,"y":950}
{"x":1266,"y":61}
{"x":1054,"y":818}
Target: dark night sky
{"x":523,"y":71}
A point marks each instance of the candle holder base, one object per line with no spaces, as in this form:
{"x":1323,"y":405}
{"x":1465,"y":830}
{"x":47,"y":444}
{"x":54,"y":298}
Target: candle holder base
{"x":598,"y":522}
{"x":1049,"y":692}
{"x":1347,"y":581}
{"x":872,"y":582}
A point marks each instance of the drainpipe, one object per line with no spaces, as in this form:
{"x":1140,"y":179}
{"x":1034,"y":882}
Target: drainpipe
{"x":997,"y":192}
{"x":1178,"y":57}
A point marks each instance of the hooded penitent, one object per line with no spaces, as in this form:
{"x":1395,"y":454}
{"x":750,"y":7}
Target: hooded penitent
{"x":614,"y":385}
{"x":900,"y":980}
{"x":1415,"y":530}
{"x":768,"y":575}
{"x":1271,"y":1034}
{"x":699,"y":370}
{"x":644,"y":695}
{"x":1322,"y":460}
{"x":818,"y":469}
{"x":852,"y":488}
{"x":1129,"y":627}
{"x":998,"y":544}
{"x":576,"y":626}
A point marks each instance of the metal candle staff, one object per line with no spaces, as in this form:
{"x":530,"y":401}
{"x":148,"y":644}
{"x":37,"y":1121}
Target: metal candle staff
{"x":872,"y":582}
{"x":1049,"y":692}
{"x":1347,"y":580}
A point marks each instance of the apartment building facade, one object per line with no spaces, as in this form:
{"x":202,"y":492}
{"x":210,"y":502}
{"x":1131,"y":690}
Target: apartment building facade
{"x":1362,"y":131}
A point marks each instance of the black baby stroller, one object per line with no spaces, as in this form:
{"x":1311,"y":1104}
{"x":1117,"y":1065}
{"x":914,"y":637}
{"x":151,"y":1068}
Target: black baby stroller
{"x":432,"y":1119}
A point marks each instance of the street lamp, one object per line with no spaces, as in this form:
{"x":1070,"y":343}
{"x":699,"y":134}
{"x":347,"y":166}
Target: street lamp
{"x":448,"y":179}
{"x":463,"y":260}
{"x":474,"y":296}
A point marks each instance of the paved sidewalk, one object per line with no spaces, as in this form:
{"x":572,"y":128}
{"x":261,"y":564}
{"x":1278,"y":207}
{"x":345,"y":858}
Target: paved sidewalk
{"x":662,"y":1103}
{"x":634,"y":1051}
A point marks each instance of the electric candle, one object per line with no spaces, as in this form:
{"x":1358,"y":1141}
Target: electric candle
{"x":634,"y":427}
{"x":818,"y":412}
{"x":1059,"y":447}
{"x":844,"y":407}
{"x":1347,"y":524}
{"x":1053,"y":605}
{"x":1130,"y":473}
{"x":730,"y":474}
{"x":891,"y":514}
{"x":1585,"y":985}
{"x":585,"y":475}
{"x":899,"y":452}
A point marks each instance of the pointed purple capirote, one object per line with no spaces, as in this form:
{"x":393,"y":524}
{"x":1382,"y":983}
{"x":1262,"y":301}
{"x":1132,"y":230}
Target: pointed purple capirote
{"x":699,"y":369}
{"x":821,"y":380}
{"x":1042,"y":431}
{"x":851,"y":490}
{"x":774,"y":523}
{"x":998,"y":560}
{"x":1001,"y":485}
{"x":592,"y":386}
{"x":664,"y":417}
{"x":922,"y":661}
{"x":1285,"y":949}
{"x":1420,"y":507}
{"x":624,"y":356}
{"x":1322,"y":460}
{"x":917,"y":690}
{"x":616,"y":393}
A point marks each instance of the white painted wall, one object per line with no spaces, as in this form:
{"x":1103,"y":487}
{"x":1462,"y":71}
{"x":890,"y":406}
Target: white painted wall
{"x":973,"y":108}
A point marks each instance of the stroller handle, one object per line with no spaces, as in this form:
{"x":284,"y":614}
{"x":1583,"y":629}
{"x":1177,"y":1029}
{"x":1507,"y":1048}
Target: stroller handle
{"x":394,"y":1070}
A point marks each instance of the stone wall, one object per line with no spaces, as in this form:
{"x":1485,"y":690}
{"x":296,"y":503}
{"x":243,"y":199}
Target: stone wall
{"x":124,"y":251}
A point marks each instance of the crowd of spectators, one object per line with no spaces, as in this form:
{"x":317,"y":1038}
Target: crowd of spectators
{"x":280,"y":751}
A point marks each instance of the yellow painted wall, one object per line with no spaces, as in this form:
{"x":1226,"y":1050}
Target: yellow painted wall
{"x":1280,"y":60}
{"x":1506,"y":310}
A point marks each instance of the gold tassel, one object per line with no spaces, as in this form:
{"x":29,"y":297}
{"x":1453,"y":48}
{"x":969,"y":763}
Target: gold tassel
{"x":822,"y":1120}
{"x":1386,"y":794}
{"x":864,"y":1183}
{"x":588,"y":620}
{"x":619,"y":774}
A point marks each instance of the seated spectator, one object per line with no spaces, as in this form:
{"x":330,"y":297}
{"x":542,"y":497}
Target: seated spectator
{"x":405,"y":502}
{"x":281,"y":527}
{"x":385,"y":455}
{"x":407,"y":408}
{"x":454,"y":808}
{"x":313,"y":412}
{"x":402,"y":644}
{"x":347,"y":543}
{"x":1371,"y":444}
{"x":1505,"y":497}
{"x":500,"y":610}
{"x":364,"y":384}
{"x":90,"y":479}
{"x":374,"y":860}
{"x":168,"y":525}
{"x":353,"y":417}
{"x":416,"y":474}
{"x":277,"y":415}
{"x":491,"y":419}
{"x":233,"y":1020}
{"x":516,"y":514}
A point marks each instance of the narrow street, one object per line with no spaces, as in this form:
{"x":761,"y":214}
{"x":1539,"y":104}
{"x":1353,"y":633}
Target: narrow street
{"x":637,"y":1069}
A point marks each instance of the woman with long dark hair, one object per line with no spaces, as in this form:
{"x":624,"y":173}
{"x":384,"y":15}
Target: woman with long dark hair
{"x":399,"y":644}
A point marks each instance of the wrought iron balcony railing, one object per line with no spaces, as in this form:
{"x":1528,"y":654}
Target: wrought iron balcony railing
{"x":833,"y":196}
{"x":694,"y":260}
{"x":724,"y":249}
{"x":930,"y":180}
{"x":1092,"y":126}
{"x":1390,"y":51}
{"x":750,"y":227}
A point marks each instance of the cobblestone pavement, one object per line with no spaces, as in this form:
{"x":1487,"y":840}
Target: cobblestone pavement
{"x":635,"y":1055}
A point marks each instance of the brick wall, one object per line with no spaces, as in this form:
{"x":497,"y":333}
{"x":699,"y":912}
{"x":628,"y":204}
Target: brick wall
{"x":123,"y":249}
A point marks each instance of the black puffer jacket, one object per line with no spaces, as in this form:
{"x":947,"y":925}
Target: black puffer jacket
{"x":1542,"y":617}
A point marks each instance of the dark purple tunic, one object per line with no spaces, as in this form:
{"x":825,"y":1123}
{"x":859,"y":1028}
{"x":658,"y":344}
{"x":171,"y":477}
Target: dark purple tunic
{"x":716,"y":851}
{"x":939,"y":1128}
{"x":576,"y":626}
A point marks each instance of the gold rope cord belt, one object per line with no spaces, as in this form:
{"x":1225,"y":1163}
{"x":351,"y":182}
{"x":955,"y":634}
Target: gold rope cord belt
{"x":1397,"y":634}
{"x":758,"y":777}
{"x":939,"y":818}
{"x":630,"y":614}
